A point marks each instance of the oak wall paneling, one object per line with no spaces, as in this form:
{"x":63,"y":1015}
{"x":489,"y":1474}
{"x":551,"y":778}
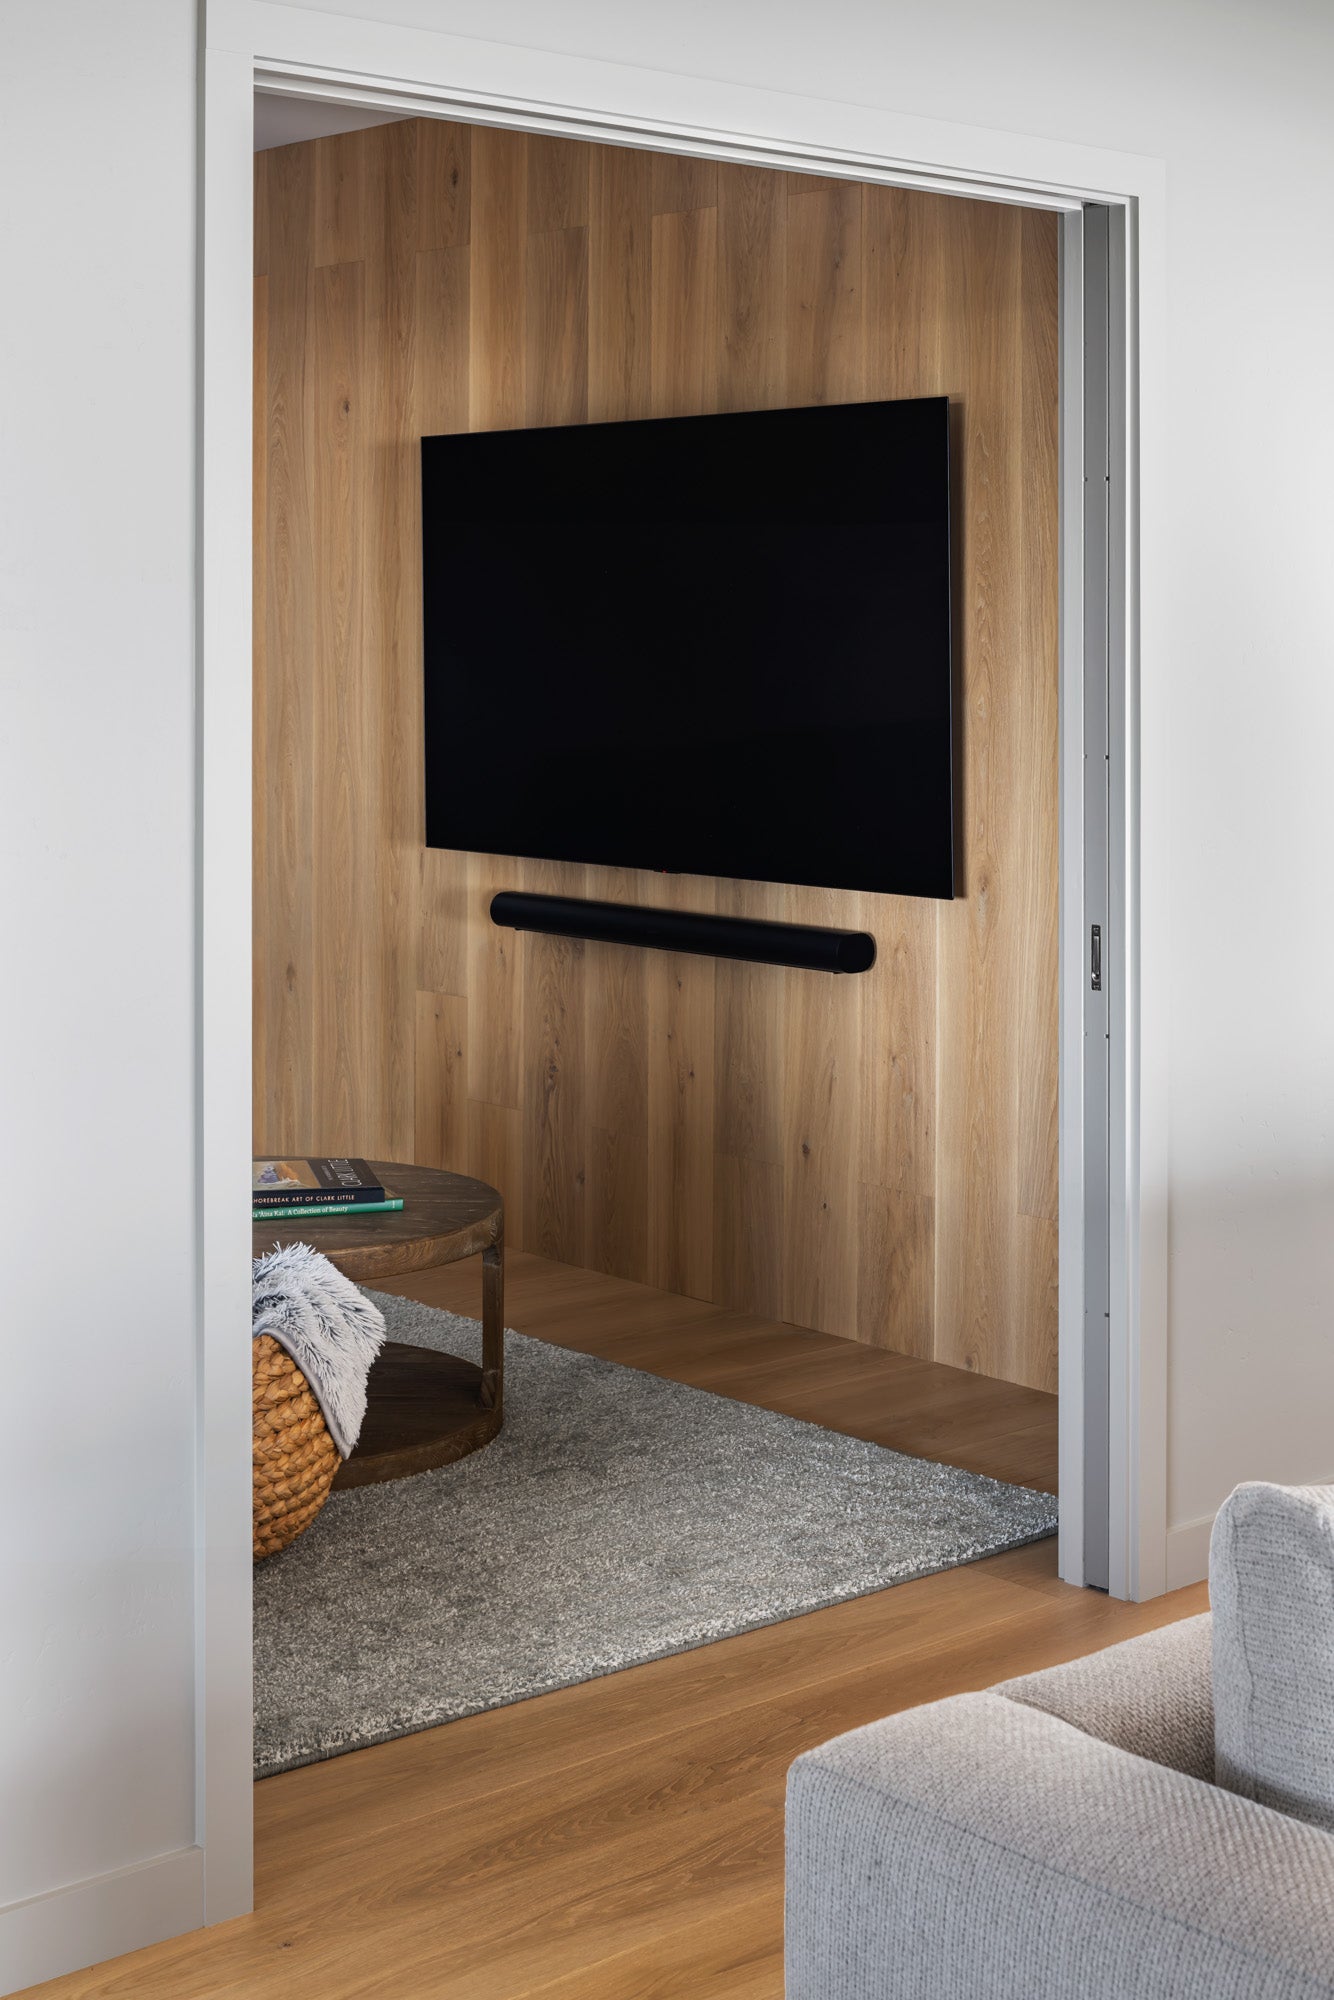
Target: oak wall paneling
{"x":873,"y":1155}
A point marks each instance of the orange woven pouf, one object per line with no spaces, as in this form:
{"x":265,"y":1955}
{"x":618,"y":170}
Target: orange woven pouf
{"x":295,"y":1458}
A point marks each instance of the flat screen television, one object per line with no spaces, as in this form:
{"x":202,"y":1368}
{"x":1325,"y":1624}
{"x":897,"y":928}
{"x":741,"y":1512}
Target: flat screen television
{"x":702,"y":645}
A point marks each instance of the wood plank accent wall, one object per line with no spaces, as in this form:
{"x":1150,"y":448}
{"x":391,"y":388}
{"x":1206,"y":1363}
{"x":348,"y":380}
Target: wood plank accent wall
{"x":873,"y":1155}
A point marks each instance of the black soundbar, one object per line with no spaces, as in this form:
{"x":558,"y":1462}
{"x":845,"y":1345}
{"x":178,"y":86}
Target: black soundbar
{"x":679,"y":930}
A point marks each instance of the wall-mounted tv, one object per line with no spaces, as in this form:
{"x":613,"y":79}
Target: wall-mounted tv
{"x":704,"y":645}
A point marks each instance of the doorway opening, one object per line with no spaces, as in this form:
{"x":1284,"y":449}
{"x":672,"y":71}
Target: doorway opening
{"x":1066,"y":207}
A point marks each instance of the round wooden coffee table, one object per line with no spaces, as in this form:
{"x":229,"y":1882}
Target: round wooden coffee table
{"x":423,"y":1408}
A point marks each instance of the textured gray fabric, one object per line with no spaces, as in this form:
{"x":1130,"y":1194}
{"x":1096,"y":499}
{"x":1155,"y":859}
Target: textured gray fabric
{"x":1271,"y":1580}
{"x":1151,"y":1695}
{"x":617,"y":1517}
{"x":979,"y":1849}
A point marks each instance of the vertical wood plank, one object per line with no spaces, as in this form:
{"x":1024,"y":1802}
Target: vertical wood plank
{"x":616,"y":1107}
{"x":681,"y":183}
{"x":620,"y":285}
{"x":555,"y":1070}
{"x":442,"y":279}
{"x":346,"y":862}
{"x":685,"y":313}
{"x":261,"y":916}
{"x":442,"y":392}
{"x":905,"y":307}
{"x":556,"y":328}
{"x":444,"y":184}
{"x":825,"y":348}
{"x":811,"y":183}
{"x":495,"y":987}
{"x":977,"y":1303}
{"x":1032,"y":1358}
{"x":495,"y":1155}
{"x":441,"y":1112}
{"x":261,"y":213}
{"x":393,"y":625}
{"x":822,"y":1035}
{"x":1038,"y":754}
{"x":285,"y":725}
{"x":750,"y":1093}
{"x":681,"y":1096}
{"x":558,"y":172}
{"x":752,"y":285}
{"x":896,"y":1291}
{"x":822,"y":1046}
{"x":340,"y":236}
{"x":748,"y":1233}
{"x":442,"y":959}
{"x":499,"y":238}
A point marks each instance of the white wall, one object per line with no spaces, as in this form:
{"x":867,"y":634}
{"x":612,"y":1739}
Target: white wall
{"x":97,"y":1181}
{"x":97,"y":107}
{"x":1234,"y":96}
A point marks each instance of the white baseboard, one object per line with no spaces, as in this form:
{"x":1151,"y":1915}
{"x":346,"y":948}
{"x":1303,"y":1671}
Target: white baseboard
{"x":69,"y":1928}
{"x":1188,"y":1552}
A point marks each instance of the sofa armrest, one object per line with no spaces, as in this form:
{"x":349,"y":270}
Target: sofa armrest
{"x":1152,"y":1695}
{"x":984,"y":1849}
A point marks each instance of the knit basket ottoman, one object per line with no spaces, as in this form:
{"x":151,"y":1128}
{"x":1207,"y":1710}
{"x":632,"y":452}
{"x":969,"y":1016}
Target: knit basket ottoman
{"x":314,"y":1336}
{"x":294,"y":1456}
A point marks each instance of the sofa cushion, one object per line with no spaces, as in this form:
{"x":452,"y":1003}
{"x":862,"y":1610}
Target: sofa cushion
{"x":978,"y":1849}
{"x":1150,"y":1695}
{"x":1271,"y":1579}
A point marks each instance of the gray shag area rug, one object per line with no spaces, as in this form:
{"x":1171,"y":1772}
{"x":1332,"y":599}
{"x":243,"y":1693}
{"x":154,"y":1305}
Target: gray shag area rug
{"x":618,"y":1517}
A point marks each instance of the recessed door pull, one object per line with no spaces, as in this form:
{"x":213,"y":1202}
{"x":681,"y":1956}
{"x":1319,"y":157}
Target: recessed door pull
{"x":1095,"y":959}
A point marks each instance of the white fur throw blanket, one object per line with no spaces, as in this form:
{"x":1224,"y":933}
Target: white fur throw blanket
{"x":330,"y":1330}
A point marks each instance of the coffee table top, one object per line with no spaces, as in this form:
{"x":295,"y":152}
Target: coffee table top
{"x":444,"y":1217}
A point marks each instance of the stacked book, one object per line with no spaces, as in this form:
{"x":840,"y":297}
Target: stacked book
{"x":311,"y":1189}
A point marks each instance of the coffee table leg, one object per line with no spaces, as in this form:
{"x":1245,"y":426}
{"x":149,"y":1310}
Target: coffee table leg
{"x":493,"y":1325}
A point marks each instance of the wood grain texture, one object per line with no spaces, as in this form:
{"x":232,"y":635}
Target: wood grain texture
{"x":555,"y":1126}
{"x":444,"y":1215}
{"x":684,"y":363}
{"x":285,"y":675}
{"x":444,"y":184}
{"x":620,"y":284}
{"x":441,"y":1079}
{"x":624,"y":1838}
{"x":875,"y":1157}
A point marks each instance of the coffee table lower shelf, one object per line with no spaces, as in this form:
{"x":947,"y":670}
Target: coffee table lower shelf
{"x":423,"y":1409}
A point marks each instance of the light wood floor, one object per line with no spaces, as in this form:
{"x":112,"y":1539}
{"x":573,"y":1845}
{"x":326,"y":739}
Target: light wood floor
{"x":623,"y":1840}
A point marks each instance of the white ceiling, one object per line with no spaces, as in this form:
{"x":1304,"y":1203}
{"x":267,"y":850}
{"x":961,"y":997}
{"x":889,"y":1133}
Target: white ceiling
{"x":281,"y":121}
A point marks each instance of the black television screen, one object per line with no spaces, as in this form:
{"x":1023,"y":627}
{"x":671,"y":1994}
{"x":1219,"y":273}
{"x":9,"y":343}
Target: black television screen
{"x":705,"y":645}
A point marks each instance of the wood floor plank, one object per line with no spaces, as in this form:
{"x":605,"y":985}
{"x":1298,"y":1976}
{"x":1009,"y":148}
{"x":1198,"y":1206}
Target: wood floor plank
{"x":731,"y":1957}
{"x":545,"y":1740}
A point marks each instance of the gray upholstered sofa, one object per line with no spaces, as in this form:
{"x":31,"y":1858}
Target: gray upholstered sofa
{"x":1155,"y":1822}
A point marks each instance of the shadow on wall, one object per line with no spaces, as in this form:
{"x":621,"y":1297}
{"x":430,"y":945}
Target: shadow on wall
{"x":1251,"y":1345}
